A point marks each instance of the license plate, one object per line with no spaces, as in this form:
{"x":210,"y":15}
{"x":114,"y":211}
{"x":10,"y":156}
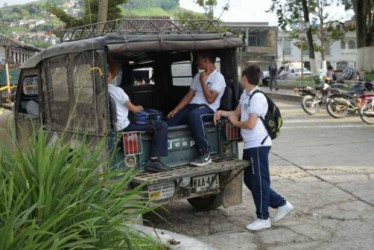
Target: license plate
{"x":203,"y":183}
{"x":161,"y":191}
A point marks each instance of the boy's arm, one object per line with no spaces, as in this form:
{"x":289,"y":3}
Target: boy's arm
{"x":185,"y":100}
{"x":221,"y":113}
{"x":133,"y":108}
{"x":248,"y":124}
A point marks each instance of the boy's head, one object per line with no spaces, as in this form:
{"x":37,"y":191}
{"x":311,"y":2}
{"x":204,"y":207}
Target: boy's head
{"x":251,"y":75}
{"x":204,"y":58}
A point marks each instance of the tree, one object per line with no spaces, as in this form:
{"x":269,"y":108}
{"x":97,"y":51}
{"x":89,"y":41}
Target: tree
{"x":208,"y":6}
{"x":364,"y":10}
{"x":293,"y":10}
{"x":328,"y":31}
{"x":16,"y":10}
{"x":90,"y":15}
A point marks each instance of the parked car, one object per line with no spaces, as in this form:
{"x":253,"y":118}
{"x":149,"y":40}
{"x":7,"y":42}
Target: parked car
{"x":296,"y":72}
{"x":265,"y":78}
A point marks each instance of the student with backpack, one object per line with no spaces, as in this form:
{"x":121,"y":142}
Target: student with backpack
{"x":259,"y":122}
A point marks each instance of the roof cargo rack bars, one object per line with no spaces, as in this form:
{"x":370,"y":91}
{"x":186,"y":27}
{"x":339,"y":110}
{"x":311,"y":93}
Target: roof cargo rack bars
{"x":133,"y":26}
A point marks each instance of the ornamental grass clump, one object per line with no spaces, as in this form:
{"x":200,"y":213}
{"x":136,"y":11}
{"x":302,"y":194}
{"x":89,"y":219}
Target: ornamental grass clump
{"x":63,"y":195}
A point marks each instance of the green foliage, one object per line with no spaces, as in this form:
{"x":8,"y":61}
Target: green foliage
{"x":62,"y":195}
{"x":208,"y":6}
{"x":144,"y":4}
{"x":370,"y":76}
{"x":90,"y":14}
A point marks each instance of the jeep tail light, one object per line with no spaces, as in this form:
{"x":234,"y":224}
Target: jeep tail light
{"x":132,"y":143}
{"x":232,"y":132}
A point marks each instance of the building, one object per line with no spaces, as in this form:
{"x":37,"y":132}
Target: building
{"x":260,"y":42}
{"x":14,"y":52}
{"x":339,"y":54}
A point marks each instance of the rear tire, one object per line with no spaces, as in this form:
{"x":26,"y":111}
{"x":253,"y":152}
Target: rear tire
{"x":206,"y":203}
{"x":335,"y":110}
{"x":367,"y":113}
{"x":306,"y":104}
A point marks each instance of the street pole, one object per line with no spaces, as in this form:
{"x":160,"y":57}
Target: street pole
{"x":302,"y":57}
{"x":7,"y":80}
{"x":103,"y":13}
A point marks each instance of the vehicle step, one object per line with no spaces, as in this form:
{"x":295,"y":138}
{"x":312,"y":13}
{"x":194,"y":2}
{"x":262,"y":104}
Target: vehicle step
{"x":190,"y":171}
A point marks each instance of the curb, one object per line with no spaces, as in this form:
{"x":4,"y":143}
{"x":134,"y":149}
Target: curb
{"x":184,"y":242}
{"x":294,"y":98}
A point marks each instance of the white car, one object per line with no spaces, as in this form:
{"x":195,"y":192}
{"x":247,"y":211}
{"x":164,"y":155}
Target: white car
{"x":296,"y":72}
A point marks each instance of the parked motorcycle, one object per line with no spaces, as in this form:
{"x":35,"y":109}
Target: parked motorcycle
{"x":366,"y":107}
{"x":313,"y":98}
{"x":342,"y":101}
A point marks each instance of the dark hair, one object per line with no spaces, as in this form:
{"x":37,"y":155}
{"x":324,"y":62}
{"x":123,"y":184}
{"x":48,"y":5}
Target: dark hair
{"x":253,"y":74}
{"x":207,"y":54}
{"x":330,"y":67}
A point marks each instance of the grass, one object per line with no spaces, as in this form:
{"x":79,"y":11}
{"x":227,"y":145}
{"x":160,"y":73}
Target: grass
{"x":62,"y":195}
{"x":370,"y":76}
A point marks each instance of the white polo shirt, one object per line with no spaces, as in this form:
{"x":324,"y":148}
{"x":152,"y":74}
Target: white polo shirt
{"x":121,"y":99}
{"x":257,"y":106}
{"x":215,"y":82}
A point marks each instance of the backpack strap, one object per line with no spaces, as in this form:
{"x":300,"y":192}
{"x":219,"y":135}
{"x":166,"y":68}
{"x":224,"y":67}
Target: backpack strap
{"x":261,"y":118}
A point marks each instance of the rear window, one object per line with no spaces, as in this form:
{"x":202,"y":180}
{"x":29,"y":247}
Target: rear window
{"x":83,"y":83}
{"x":182,"y":73}
{"x":59,"y":76}
{"x":30,"y":85}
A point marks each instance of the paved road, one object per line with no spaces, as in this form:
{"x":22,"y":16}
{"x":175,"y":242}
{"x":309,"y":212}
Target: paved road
{"x":325,"y":167}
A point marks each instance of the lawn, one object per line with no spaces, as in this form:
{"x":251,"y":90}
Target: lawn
{"x":370,"y":76}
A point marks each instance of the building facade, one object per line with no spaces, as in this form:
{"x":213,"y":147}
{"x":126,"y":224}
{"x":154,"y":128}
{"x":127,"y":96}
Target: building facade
{"x":14,"y":52}
{"x":260,"y":42}
{"x":339,"y":54}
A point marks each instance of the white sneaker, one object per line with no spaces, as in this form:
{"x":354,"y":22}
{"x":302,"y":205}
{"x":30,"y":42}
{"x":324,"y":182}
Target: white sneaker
{"x":283,"y":211}
{"x":259,"y":224}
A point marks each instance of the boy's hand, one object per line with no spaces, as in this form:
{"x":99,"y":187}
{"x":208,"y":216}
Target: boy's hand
{"x":139,"y":108}
{"x":217,"y":116}
{"x":233,"y":119}
{"x":172,"y":113}
{"x":203,"y":77}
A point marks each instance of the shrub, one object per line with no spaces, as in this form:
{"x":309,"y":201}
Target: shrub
{"x":53,"y":197}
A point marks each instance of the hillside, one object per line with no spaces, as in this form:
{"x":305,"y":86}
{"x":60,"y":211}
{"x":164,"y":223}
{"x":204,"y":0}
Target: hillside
{"x":33,"y":24}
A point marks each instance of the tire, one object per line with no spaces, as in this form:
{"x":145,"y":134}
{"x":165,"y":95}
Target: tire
{"x":206,"y":203}
{"x":365,"y":117}
{"x":332,"y":107}
{"x":306,"y":103}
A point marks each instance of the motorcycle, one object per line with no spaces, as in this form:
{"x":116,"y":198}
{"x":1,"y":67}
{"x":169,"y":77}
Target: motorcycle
{"x":343,"y":101}
{"x":366,"y":107}
{"x":314,"y":98}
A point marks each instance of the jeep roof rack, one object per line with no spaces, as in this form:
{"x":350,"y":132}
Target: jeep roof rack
{"x":134,"y":25}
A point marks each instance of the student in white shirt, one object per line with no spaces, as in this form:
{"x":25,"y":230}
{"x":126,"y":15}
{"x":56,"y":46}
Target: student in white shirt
{"x":199,"y":104}
{"x":257,"y":145}
{"x":158,"y":129}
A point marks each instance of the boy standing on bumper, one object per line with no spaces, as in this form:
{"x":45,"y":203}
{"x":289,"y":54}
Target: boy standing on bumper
{"x":257,"y":144}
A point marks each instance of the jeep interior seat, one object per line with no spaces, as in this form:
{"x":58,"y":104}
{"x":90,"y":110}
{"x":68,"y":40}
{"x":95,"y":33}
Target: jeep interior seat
{"x":144,"y":95}
{"x":227,"y":99}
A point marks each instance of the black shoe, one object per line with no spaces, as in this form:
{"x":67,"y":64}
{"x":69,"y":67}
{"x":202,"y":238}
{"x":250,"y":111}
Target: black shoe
{"x":156,"y":167}
{"x":202,"y":160}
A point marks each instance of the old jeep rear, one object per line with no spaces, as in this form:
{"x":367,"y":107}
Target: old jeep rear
{"x":157,"y":58}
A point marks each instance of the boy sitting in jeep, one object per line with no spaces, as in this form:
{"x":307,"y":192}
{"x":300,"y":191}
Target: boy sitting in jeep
{"x":158,"y":128}
{"x":199,"y":104}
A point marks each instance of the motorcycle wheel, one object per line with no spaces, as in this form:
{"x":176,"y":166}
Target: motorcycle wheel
{"x":309,"y":105}
{"x":336,"y":110}
{"x":367,"y":113}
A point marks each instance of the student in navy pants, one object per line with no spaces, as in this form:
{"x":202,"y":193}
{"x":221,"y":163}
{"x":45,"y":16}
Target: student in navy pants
{"x":257,"y":143}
